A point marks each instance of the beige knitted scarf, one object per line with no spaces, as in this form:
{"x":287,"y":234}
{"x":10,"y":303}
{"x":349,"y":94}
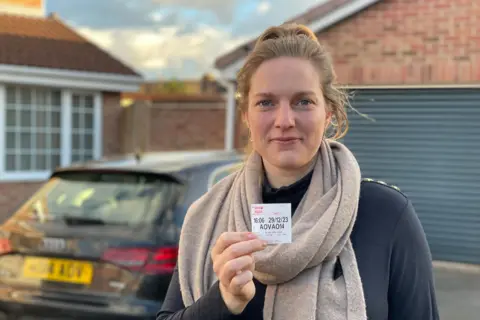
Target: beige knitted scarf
{"x":299,"y":275}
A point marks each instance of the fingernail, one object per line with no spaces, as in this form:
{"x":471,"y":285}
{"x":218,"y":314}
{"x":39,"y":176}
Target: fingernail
{"x":251,"y":236}
{"x":264,"y":243}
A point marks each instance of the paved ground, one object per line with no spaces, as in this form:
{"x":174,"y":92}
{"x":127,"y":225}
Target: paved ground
{"x":458,"y":293}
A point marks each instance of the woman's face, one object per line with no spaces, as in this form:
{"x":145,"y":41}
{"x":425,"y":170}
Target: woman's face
{"x":286,"y":114}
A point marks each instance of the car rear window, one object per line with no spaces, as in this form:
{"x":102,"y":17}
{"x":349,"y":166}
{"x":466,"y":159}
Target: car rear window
{"x":109,"y":197}
{"x":222,"y":172}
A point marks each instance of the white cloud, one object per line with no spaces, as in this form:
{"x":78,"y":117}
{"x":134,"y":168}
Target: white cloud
{"x":156,"y":16}
{"x":101,"y":37}
{"x":165,"y":51}
{"x":263,"y":7}
{"x":184,"y":46}
{"x":223,"y":9}
{"x":155,"y":63}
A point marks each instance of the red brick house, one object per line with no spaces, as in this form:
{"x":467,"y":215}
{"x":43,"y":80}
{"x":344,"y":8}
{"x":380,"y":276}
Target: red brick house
{"x":59,"y":98}
{"x":414,"y":68}
{"x":392,"y":42}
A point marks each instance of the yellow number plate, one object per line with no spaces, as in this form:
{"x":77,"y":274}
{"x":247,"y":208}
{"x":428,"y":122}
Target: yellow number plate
{"x":61,"y":270}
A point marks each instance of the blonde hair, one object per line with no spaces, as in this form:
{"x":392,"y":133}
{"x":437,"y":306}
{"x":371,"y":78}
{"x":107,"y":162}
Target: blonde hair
{"x":294,"y":40}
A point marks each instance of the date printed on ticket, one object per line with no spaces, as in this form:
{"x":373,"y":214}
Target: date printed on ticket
{"x":272,"y":222}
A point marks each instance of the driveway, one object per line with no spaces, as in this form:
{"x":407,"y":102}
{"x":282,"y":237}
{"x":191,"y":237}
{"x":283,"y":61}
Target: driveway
{"x":458,"y":293}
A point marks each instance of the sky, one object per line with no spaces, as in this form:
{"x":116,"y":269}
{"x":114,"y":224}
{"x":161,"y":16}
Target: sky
{"x":173,"y":39}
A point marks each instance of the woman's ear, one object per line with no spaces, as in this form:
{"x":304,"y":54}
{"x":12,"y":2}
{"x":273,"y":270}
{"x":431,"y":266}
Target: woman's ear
{"x":245,"y":119}
{"x":328,"y":119}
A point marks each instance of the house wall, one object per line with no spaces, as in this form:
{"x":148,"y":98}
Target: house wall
{"x":12,"y":195}
{"x":242,"y":137}
{"x":408,"y":42}
{"x":112,"y":124}
{"x":187,"y":126}
{"x":174,"y":125}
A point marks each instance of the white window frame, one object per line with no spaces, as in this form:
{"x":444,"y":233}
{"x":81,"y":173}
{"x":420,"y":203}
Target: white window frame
{"x":66,"y":125}
{"x":97,"y":124}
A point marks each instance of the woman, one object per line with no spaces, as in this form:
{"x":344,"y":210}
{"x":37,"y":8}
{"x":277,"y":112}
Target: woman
{"x":358,"y":250}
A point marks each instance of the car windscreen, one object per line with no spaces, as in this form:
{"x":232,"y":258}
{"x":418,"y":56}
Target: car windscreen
{"x":102,"y":197}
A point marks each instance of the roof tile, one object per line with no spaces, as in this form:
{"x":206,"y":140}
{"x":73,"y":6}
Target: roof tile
{"x":49,"y":43}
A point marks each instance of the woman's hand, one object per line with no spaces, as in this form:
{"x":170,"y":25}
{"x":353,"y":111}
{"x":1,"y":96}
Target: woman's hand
{"x":233,"y":264}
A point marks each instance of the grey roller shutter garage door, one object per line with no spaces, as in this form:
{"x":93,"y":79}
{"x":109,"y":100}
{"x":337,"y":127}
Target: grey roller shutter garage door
{"x":427,"y":142}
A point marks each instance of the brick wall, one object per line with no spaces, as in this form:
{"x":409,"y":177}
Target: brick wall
{"x":112,"y":124}
{"x":187,"y":126}
{"x":13,"y":194}
{"x":408,"y":42}
{"x":241,"y":133}
{"x":166,"y":122}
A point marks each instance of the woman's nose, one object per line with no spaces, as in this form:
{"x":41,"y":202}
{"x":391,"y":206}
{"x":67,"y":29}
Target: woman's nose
{"x":284,"y":116}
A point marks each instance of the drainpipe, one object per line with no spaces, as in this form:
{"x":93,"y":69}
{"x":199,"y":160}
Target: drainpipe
{"x":229,"y":114}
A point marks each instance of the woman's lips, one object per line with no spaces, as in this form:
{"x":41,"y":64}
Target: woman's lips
{"x":285,"y":140}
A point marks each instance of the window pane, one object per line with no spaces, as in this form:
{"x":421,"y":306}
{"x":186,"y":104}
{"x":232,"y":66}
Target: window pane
{"x":25,"y":162}
{"x":88,"y":156}
{"x":41,"y":120}
{"x":82,"y":127}
{"x":41,"y":97}
{"x":25,"y":118}
{"x":11,"y":140}
{"x":11,"y":118}
{"x":89,"y":102}
{"x":10,"y":162}
{"x":76,"y":143}
{"x":76,"y":158}
{"x":41,"y":141}
{"x":88,"y":121}
{"x":76,"y":101}
{"x":55,"y":121}
{"x":33,"y":121}
{"x":41,"y":160}
{"x":76,"y":120}
{"x":11,"y":95}
{"x":56,"y":98}
{"x":56,"y":144}
{"x":26,"y":96}
{"x":25,"y":140}
{"x":88,"y":142}
{"x":54,"y":161}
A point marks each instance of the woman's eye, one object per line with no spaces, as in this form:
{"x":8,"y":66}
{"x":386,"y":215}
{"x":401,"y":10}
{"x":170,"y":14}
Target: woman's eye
{"x":265,"y":103}
{"x":305,"y":102}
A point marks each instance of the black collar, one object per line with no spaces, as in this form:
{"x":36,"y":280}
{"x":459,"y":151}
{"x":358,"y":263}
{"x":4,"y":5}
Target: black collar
{"x":288,"y":194}
{"x":302,"y":184}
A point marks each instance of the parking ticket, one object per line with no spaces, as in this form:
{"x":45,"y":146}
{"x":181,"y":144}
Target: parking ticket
{"x":272,"y":222}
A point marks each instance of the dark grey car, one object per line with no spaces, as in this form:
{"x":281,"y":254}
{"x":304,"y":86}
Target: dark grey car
{"x":99,"y":241}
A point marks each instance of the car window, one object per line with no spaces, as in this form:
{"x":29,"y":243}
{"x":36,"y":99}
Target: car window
{"x":222,"y":172}
{"x":110,"y":197}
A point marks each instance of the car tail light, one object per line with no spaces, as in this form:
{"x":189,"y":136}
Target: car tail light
{"x":151,"y":261}
{"x":5,"y":246}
